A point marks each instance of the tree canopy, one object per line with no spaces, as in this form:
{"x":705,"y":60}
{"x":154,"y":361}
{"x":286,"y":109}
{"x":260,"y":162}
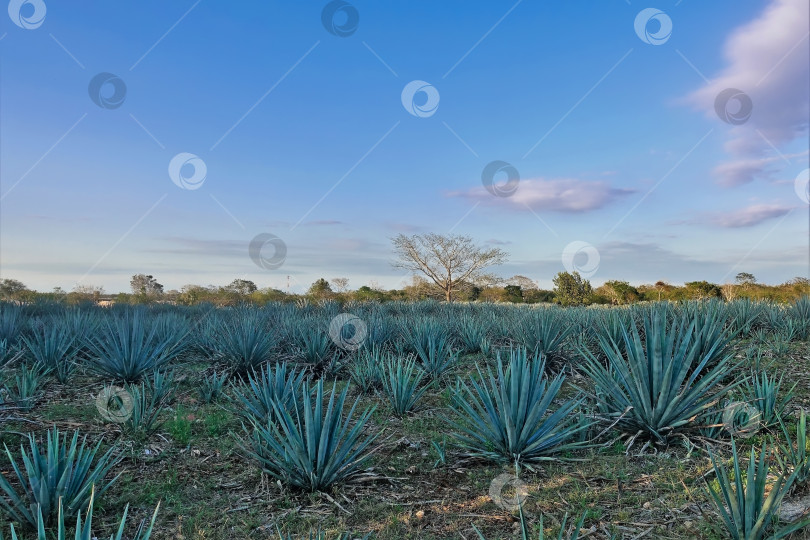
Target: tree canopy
{"x":570,"y":289}
{"x":145,"y":285}
{"x":448,"y":261}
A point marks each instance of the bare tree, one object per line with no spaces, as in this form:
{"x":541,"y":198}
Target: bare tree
{"x":728,"y":291}
{"x":340,"y":284}
{"x":88,"y":292}
{"x":447,"y":260}
{"x":523,"y":282}
{"x":661,"y":286}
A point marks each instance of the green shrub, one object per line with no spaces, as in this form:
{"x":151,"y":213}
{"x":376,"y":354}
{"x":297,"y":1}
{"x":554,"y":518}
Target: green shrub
{"x":180,"y":427}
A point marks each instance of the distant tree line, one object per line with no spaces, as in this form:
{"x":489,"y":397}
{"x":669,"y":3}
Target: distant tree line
{"x":445,"y":267}
{"x":570,"y":289}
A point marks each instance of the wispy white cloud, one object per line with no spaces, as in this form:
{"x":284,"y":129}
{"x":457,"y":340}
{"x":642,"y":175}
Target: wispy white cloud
{"x":768,"y":60}
{"x":750,"y":215}
{"x":744,"y":170}
{"x":556,"y":195}
{"x":323,"y":222}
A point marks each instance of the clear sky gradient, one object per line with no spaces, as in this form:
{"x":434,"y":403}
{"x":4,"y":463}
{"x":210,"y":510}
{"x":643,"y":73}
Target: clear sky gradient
{"x":303,"y":133}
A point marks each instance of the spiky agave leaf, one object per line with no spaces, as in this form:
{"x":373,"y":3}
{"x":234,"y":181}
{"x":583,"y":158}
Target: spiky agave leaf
{"x":544,"y":330}
{"x":61,"y":471}
{"x":507,"y":415}
{"x":472,"y":332}
{"x":12,"y":321}
{"x":83,"y":531}
{"x":431,"y":341}
{"x":128,"y":346}
{"x":145,"y":409}
{"x":256,"y":399}
{"x":745,"y":504}
{"x":380,"y":330}
{"x":315,"y":449}
{"x":800,"y":314}
{"x":366,"y":371}
{"x":744,"y":316}
{"x":211,"y":386}
{"x":402,"y":383}
{"x":27,"y":387}
{"x":162,"y":386}
{"x":662,"y":387}
{"x":711,"y":337}
{"x":763,"y":392}
{"x":439,"y":364}
{"x":53,"y":346}
{"x":315,"y":344}
{"x":793,"y":455}
{"x":244,"y":341}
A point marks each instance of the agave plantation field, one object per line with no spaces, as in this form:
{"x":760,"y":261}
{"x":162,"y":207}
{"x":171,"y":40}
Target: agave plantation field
{"x":404,"y":420}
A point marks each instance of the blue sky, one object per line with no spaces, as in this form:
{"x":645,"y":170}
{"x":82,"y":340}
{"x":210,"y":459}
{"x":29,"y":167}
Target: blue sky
{"x":304,"y":135}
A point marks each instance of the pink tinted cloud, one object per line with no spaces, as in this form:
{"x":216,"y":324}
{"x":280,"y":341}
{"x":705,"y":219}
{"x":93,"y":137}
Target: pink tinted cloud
{"x":556,"y":195}
{"x":768,"y":60}
{"x":749,"y":216}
